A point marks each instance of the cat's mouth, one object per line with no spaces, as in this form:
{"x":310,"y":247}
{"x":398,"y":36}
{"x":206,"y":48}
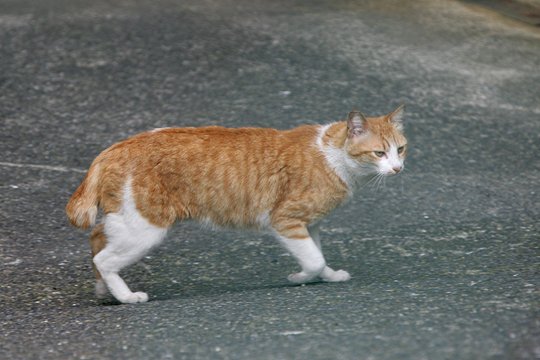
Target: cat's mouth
{"x":393,"y":171}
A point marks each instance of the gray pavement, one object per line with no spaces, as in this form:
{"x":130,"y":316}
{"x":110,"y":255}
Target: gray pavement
{"x":444,"y":258}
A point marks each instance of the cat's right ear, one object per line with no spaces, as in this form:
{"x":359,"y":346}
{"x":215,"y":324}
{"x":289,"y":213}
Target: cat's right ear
{"x":356,"y":124}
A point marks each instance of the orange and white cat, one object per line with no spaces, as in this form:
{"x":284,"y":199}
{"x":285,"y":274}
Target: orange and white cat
{"x":284,"y":182}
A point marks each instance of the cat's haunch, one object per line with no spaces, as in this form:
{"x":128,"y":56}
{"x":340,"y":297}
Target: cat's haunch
{"x":284,"y":182}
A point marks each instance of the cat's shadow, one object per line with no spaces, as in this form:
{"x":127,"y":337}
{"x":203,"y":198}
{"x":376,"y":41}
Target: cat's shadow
{"x":199,"y":290}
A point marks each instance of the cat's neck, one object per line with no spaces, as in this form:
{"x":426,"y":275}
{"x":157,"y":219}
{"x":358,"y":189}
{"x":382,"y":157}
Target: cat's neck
{"x":330,"y":141}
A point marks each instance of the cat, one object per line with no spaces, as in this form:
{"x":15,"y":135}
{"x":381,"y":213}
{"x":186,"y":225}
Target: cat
{"x":284,"y":182}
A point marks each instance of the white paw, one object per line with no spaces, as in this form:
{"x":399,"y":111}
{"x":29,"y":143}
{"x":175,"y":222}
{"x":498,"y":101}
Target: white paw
{"x":136,"y":297}
{"x":300,"y":278}
{"x":101,"y":289}
{"x":335,"y":276}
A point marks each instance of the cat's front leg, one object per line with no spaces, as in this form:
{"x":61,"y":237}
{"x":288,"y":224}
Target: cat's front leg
{"x":328,"y":274}
{"x":306,"y":252}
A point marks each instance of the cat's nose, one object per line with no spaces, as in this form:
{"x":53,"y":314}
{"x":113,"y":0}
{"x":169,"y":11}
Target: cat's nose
{"x":397,"y":169}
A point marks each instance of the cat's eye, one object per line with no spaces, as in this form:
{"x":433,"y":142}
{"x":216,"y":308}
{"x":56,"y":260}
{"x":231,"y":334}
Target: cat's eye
{"x":379,"y":153}
{"x":400,"y":149}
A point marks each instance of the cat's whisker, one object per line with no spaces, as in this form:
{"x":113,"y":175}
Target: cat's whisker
{"x":377,"y":179}
{"x":370,"y":182}
{"x":377,"y":183}
{"x":380,"y":182}
{"x":373,"y":183}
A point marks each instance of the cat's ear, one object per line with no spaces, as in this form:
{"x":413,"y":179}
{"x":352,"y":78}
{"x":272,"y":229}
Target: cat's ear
{"x":356,"y":124}
{"x":396,"y":117}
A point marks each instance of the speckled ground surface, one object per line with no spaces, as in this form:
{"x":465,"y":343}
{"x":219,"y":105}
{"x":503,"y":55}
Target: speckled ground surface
{"x":445,"y":258}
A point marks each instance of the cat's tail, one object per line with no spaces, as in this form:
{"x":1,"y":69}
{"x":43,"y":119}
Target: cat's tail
{"x":82,"y":208}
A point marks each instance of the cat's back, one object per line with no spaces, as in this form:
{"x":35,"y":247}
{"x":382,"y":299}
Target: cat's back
{"x":226,"y":135}
{"x":178,"y":141}
{"x":209,"y":133}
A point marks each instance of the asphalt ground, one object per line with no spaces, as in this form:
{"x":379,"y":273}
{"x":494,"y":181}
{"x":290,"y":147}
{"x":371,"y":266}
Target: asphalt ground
{"x":444,"y":258}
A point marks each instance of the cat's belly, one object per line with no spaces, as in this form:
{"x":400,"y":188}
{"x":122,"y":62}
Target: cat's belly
{"x":260,"y":221}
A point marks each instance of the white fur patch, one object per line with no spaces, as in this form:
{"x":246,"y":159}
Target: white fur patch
{"x":390,"y":161}
{"x":343,"y":165}
{"x":159,"y":129}
{"x":130,"y":225}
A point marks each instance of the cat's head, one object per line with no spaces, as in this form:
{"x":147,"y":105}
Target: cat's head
{"x":377,"y":143}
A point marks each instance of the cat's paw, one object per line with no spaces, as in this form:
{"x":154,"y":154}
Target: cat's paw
{"x":330,"y":275}
{"x":136,"y":297}
{"x":101,"y":289}
{"x":300,"y":278}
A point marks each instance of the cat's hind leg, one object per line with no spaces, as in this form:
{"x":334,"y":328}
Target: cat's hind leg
{"x":328,"y":274}
{"x":129,"y":236}
{"x":128,"y":239}
{"x":98,"y":240}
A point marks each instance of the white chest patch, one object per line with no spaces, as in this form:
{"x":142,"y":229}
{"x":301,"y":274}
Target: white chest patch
{"x":338,"y":160}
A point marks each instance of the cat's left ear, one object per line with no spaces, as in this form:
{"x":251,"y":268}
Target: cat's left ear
{"x":396,"y":117}
{"x":356,"y":124}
